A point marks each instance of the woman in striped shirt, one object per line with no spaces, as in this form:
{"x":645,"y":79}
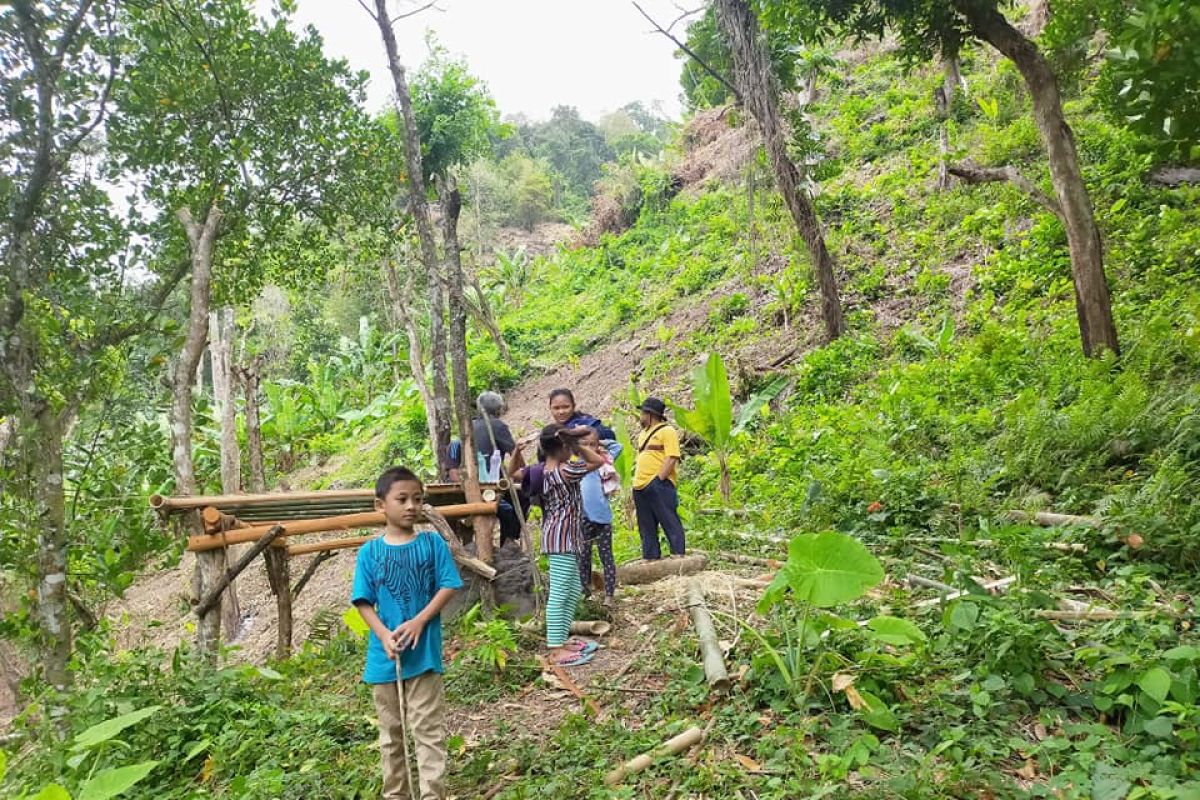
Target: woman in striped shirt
{"x":567,"y":461}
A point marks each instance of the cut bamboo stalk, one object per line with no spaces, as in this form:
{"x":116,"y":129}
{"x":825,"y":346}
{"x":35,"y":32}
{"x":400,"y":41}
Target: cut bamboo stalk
{"x":671,"y":747}
{"x":710,"y":645}
{"x":637,"y":572}
{"x":1093,"y":615}
{"x":739,"y":558}
{"x":1064,"y":547}
{"x":373,"y":519}
{"x":992,"y":587}
{"x":590,"y":627}
{"x":209,"y":601}
{"x":1050,"y":519}
{"x":929,"y":583}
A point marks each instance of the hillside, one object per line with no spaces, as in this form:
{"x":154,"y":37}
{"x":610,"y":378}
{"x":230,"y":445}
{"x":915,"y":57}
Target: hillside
{"x":1064,"y":666}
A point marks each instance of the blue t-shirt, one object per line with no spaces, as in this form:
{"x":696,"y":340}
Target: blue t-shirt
{"x":399,"y":580}
{"x":595,"y":503}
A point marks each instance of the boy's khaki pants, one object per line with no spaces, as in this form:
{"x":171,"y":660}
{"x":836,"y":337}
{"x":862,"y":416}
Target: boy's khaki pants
{"x":426,"y":706}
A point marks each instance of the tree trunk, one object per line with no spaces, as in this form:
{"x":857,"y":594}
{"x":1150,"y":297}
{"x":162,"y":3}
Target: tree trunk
{"x":468,"y":468}
{"x":202,"y":240}
{"x":221,"y":331}
{"x":250,"y":375}
{"x":1092,"y":304}
{"x":402,"y":298}
{"x":44,"y":449}
{"x":419,"y":208}
{"x":756,"y":83}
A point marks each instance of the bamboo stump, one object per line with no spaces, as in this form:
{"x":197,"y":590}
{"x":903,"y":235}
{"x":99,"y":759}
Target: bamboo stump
{"x":710,"y":645}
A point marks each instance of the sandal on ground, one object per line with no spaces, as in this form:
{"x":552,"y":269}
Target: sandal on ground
{"x":575,"y":659}
{"x":581,"y":645}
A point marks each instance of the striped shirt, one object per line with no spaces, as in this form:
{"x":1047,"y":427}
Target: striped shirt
{"x":562,"y":508}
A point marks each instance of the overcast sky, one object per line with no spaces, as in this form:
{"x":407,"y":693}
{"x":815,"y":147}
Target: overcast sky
{"x":596,"y":55}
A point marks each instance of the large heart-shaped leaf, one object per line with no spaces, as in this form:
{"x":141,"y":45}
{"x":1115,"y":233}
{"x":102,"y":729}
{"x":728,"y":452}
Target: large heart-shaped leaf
{"x":98,"y":734}
{"x":110,"y":783}
{"x":824,"y":569}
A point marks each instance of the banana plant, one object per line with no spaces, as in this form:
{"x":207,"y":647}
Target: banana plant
{"x":712,"y":418}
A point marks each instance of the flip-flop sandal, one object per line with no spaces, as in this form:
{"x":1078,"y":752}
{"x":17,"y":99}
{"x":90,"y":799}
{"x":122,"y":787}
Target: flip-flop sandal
{"x":576,"y":660}
{"x":582,"y":645}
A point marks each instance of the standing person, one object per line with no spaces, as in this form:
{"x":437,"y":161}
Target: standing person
{"x":402,"y":580}
{"x":565,"y":413}
{"x":489,"y":434}
{"x":567,"y":461}
{"x":597,"y":487}
{"x":655,"y":481}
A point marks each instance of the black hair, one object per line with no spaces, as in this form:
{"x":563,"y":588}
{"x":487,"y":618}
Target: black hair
{"x":567,"y":393}
{"x":383,"y":484}
{"x":548,"y":441}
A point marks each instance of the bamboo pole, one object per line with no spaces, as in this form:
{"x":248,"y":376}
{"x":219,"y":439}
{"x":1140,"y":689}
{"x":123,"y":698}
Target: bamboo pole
{"x":991,"y":587}
{"x":710,"y":646}
{"x":214,"y":593}
{"x":327,"y":546}
{"x":168,"y":503}
{"x":671,"y":747}
{"x":373,"y":519}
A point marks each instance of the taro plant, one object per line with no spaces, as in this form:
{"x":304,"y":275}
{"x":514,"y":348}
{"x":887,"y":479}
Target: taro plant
{"x":824,"y":570}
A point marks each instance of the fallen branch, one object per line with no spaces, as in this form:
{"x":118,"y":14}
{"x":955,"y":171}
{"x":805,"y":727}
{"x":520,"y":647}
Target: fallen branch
{"x":460,"y":553}
{"x":1062,"y":547}
{"x":710,"y":645}
{"x":1050,"y":519}
{"x":214,"y":594}
{"x":757,"y":561}
{"x":671,"y":747}
{"x":970,"y":173}
{"x":571,"y":686}
{"x":649,"y":571}
{"x":928,"y":583}
{"x":311,"y":570}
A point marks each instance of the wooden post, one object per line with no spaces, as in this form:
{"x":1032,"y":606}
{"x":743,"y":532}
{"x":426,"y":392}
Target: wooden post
{"x":278,"y":569}
{"x":210,"y":566}
{"x":229,"y":575}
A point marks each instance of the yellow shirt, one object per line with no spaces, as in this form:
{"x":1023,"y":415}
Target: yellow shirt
{"x":654,"y":447}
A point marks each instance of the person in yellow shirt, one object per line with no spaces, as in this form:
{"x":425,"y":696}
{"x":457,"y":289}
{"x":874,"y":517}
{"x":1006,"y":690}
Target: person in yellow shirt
{"x":655,"y":481}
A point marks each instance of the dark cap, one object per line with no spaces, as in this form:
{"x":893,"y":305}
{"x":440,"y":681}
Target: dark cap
{"x":655,"y":406}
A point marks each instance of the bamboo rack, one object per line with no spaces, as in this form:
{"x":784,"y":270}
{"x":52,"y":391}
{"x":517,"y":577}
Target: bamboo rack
{"x":209,"y":541}
{"x":357,"y":499}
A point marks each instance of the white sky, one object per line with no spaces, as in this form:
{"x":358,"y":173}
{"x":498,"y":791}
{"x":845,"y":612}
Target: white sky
{"x":596,"y":55}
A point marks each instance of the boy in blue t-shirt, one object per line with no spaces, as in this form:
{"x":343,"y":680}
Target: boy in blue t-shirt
{"x":402,"y":581}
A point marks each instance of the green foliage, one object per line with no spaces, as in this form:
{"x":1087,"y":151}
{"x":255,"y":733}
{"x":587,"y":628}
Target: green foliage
{"x":456,"y":115}
{"x":824,"y":570}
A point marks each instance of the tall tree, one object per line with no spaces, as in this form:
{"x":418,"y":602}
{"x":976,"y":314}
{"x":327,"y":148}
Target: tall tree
{"x":65,"y":257}
{"x":755,"y":79}
{"x":927,"y":30}
{"x":418,"y":208}
{"x":239,"y":127}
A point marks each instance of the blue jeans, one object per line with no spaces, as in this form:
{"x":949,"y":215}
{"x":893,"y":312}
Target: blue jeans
{"x":657,"y":505}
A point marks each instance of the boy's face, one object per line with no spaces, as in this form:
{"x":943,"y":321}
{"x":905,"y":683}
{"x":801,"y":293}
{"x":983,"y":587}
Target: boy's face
{"x":648,"y":419}
{"x":401,"y":506}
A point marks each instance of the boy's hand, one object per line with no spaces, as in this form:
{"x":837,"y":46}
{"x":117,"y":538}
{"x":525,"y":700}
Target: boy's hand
{"x":389,"y":648}
{"x":407,"y":634}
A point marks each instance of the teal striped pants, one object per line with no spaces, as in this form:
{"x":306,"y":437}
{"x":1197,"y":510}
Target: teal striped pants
{"x":565,"y":590}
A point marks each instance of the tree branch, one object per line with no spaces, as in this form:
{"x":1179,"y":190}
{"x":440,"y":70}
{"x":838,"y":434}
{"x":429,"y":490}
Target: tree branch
{"x":119,"y":333}
{"x":432,"y":4}
{"x":969,"y":173}
{"x":691,"y":53}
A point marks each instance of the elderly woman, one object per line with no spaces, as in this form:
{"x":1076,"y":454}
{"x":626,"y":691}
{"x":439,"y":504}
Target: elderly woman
{"x":490,"y":434}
